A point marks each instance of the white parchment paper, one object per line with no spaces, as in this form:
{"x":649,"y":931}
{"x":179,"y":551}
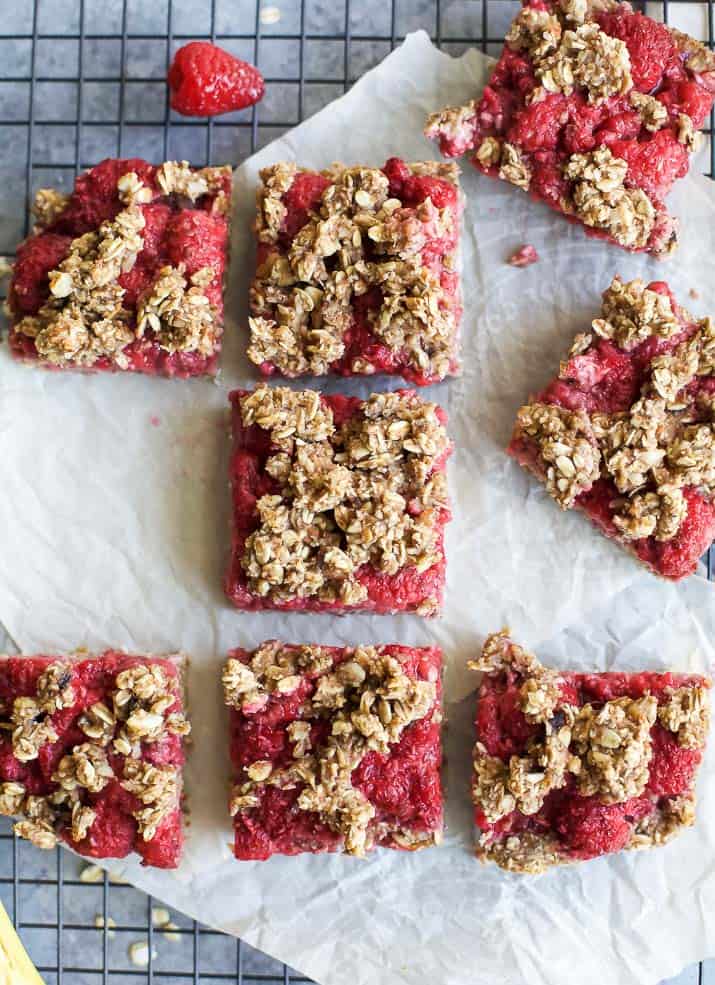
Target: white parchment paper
{"x":113,"y":527}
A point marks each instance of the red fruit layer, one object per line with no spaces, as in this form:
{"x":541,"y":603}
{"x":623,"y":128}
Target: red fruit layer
{"x":404,"y":786}
{"x":585,"y":827}
{"x":304,"y":194}
{"x":403,"y":591}
{"x":114,"y":832}
{"x":176,"y":231}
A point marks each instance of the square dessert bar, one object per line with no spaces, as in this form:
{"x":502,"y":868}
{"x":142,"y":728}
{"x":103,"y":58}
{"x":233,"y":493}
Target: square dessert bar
{"x":91,"y":753}
{"x":334,"y":748}
{"x":357,"y":271}
{"x":338,"y":504}
{"x":594,"y":109}
{"x":126,"y":273}
{"x":571,"y":766}
{"x":625,"y":431}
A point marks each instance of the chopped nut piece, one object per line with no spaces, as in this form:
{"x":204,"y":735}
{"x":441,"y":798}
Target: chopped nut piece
{"x":651,"y":110}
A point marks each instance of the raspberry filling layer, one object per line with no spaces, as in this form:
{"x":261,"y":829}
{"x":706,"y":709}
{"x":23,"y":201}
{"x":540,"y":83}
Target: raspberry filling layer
{"x":155,"y":304}
{"x":356,"y":271}
{"x":572,"y":766}
{"x":633,"y":403}
{"x":318,"y":766}
{"x":91,"y":753}
{"x":592,"y":108}
{"x":300,"y":507}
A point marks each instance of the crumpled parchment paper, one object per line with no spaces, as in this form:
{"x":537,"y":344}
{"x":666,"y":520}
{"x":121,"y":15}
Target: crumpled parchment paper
{"x":114,"y":530}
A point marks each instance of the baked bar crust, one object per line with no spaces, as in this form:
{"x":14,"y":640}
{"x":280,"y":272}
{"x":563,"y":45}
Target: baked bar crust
{"x":569,"y":766}
{"x":338,"y":504}
{"x":594,"y":109}
{"x":356,"y":271}
{"x":334,"y":748}
{"x":625,"y":432}
{"x":126,"y":273}
{"x":91,"y":752}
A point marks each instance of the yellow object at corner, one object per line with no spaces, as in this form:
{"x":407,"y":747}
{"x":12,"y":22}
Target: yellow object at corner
{"x":15,"y":966}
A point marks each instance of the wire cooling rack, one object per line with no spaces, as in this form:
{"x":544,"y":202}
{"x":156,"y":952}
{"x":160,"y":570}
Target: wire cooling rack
{"x":81,"y":80}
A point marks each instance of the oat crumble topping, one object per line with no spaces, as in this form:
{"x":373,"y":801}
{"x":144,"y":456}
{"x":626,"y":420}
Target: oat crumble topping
{"x":687,"y":714}
{"x":567,"y":447}
{"x":368,"y":698}
{"x":357,"y":238}
{"x":614,"y":746}
{"x":601,"y":200}
{"x":183,"y":320}
{"x":590,"y":58}
{"x":652,"y":112}
{"x":344,"y":493}
{"x":49,"y":204}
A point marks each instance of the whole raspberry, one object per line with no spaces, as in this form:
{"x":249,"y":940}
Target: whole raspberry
{"x":205,"y":80}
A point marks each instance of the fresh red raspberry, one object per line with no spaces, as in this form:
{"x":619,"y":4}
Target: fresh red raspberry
{"x":649,"y":44}
{"x":205,"y":80}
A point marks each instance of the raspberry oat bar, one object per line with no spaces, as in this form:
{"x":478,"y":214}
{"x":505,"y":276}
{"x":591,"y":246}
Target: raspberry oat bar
{"x":594,"y":109}
{"x":126,"y":273}
{"x":357,"y":271}
{"x":91,"y":753}
{"x":625,"y":432}
{"x":337,"y":503}
{"x":334,"y":749}
{"x":572,"y":766}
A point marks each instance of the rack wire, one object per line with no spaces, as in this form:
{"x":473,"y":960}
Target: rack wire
{"x":84,"y":79}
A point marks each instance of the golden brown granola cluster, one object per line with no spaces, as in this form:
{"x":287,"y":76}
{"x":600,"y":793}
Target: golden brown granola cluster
{"x":358,"y":238}
{"x":137,"y":712}
{"x":365,"y":492}
{"x":656,"y":449}
{"x":369,"y":700}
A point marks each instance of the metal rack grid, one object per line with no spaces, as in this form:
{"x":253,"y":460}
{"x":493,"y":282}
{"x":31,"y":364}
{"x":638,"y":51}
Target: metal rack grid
{"x":84,"y":79}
